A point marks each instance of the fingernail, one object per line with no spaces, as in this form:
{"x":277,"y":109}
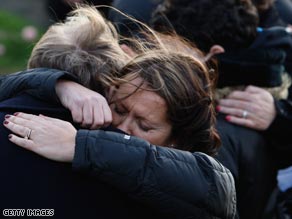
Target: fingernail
{"x":15,"y":114}
{"x":9,"y":136}
{"x":7,"y":116}
{"x":5,"y":122}
{"x":218,"y":108}
{"x":228,"y":118}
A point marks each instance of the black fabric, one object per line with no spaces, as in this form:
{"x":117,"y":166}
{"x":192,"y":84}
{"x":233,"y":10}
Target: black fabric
{"x":244,"y":152}
{"x":279,"y":205}
{"x":262,"y":64}
{"x":43,"y":78}
{"x":31,"y":182}
{"x":178,"y":183}
{"x":278,"y":135}
{"x":270,"y":17}
{"x":284,"y":8}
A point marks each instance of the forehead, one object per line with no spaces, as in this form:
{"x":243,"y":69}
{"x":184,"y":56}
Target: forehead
{"x":143,"y":102}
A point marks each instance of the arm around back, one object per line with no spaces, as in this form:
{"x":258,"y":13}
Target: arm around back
{"x":39,"y":82}
{"x":177,"y":183}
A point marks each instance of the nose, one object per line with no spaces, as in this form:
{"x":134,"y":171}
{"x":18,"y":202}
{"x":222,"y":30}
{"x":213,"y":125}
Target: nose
{"x":126,"y":126}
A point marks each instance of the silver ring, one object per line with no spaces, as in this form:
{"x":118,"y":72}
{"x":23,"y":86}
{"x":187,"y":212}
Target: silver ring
{"x":244,"y":114}
{"x":27,"y":136}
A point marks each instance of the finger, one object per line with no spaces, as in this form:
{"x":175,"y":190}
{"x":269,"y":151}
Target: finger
{"x":26,"y":116}
{"x":76,"y":113}
{"x":238,"y":104}
{"x":231,"y":111}
{"x":20,"y":121}
{"x":107,"y":115}
{"x":17,"y":129}
{"x":87,"y":112}
{"x":253,"y":89}
{"x":239,"y":95}
{"x":25,"y":143}
{"x":240,"y":121}
{"x":98,"y":119}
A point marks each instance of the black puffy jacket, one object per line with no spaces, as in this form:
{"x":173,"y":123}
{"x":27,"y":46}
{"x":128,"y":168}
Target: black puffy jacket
{"x":177,"y":183}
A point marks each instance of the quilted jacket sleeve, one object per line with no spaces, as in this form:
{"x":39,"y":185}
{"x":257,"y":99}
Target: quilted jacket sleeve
{"x":39,"y":83}
{"x":177,"y":183}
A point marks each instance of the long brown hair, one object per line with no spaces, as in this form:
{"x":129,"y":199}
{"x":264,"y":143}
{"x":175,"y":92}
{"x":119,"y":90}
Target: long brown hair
{"x":182,"y":79}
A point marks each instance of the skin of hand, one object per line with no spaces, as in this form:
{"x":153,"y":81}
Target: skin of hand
{"x":258,"y":103}
{"x":87,"y":107}
{"x":41,"y":141}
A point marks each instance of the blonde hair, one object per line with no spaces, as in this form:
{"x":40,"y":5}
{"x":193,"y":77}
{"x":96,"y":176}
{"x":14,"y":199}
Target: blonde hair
{"x":86,"y":45}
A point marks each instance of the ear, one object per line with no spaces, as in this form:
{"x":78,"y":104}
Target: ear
{"x":214,"y":50}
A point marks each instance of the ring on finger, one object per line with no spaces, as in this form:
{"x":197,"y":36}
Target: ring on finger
{"x":244,"y":114}
{"x":28,"y":133}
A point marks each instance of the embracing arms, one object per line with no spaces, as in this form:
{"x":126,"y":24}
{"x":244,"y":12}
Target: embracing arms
{"x":39,"y":82}
{"x":178,"y":183}
{"x":88,"y":108}
{"x":265,"y":113}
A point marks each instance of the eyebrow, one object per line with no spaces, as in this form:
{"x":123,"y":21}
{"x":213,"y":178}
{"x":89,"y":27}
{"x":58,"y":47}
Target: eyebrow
{"x":144,"y":119}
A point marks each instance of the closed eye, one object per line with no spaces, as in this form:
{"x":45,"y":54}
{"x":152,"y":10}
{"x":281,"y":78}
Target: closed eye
{"x":144,"y":127}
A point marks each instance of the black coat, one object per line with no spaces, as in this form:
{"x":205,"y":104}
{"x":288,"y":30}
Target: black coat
{"x":177,"y":183}
{"x":245,"y":153}
{"x":29,"y":181}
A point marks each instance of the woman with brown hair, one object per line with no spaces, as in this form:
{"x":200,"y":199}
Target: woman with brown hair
{"x":164,"y":96}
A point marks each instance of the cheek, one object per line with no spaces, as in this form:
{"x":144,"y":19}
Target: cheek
{"x":154,"y":137}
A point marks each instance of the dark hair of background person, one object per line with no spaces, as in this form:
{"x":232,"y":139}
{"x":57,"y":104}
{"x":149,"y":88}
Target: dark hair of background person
{"x":235,"y":29}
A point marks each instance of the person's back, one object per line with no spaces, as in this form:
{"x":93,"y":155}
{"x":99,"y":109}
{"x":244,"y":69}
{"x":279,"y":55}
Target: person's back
{"x":31,"y":182}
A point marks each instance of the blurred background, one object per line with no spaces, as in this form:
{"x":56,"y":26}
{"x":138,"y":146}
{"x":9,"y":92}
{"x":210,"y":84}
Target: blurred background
{"x":21,"y":25}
